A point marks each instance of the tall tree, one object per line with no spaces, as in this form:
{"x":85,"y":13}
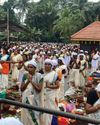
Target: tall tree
{"x":2,"y":13}
{"x":9,"y":7}
{"x":42,"y":16}
{"x":69,"y":22}
{"x":22,"y":6}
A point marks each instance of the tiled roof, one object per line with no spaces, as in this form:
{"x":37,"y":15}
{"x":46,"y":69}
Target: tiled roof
{"x":89,"y":33}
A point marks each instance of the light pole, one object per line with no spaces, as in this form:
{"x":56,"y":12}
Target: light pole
{"x":8,"y":32}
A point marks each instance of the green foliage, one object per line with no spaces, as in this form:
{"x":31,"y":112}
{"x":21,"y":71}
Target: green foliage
{"x":22,"y":6}
{"x":50,"y":20}
{"x":69,"y":22}
{"x":9,"y":7}
{"x":2,"y":36}
{"x":2,"y":13}
{"x":41,"y":17}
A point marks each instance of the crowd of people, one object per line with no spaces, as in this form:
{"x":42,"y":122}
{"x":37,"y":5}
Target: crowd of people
{"x":47,"y":72}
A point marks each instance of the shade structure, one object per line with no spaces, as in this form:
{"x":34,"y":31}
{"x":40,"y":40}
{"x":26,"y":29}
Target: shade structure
{"x":12,"y":26}
{"x":88,"y":37}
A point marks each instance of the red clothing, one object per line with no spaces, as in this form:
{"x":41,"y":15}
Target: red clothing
{"x":5,"y":68}
{"x":63,"y":121}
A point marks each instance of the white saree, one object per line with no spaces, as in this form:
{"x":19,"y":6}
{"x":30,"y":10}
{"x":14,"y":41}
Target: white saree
{"x":49,"y":96}
{"x":30,"y":96}
{"x":3,"y":77}
{"x":15,"y":71}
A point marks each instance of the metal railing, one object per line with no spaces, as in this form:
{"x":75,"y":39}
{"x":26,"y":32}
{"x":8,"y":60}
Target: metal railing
{"x":49,"y":111}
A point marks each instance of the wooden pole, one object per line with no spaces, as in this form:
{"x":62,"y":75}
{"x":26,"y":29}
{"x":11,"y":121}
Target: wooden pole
{"x":50,"y":111}
{"x":8,"y":26}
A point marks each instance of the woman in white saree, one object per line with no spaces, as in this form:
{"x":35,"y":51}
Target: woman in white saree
{"x":31,"y":87}
{"x":5,"y":68}
{"x":51,"y":84}
{"x":15,"y":57}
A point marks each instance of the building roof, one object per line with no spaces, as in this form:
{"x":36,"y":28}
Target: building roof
{"x":89,"y":33}
{"x":13,"y":26}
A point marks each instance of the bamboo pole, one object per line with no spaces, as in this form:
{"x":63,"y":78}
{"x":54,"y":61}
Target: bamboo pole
{"x":49,"y":111}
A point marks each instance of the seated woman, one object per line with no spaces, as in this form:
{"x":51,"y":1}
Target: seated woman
{"x":93,"y":102}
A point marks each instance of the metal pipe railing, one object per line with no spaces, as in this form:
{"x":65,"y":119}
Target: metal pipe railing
{"x":49,"y":111}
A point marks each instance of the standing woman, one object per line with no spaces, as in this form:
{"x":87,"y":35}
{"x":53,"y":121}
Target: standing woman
{"x":51,"y":84}
{"x":16,"y":57}
{"x":31,"y":87}
{"x":5,"y":68}
{"x":83,"y":71}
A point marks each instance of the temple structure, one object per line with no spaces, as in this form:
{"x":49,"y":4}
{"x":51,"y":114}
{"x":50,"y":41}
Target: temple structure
{"x":88,"y":37}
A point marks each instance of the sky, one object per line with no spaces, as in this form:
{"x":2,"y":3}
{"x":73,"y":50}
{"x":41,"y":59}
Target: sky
{"x":93,"y":0}
{"x":2,"y":1}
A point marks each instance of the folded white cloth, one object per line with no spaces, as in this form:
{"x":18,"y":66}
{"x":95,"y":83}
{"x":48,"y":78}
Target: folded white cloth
{"x":70,"y":91}
{"x":10,"y":121}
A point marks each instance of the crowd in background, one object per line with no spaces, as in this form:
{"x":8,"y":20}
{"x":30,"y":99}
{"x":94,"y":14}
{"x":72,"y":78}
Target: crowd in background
{"x":46,"y":73}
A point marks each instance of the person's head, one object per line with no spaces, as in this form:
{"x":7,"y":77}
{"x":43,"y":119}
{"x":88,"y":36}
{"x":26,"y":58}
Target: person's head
{"x":81,"y":51}
{"x":49,"y":53}
{"x":15,"y":51}
{"x":74,"y":57}
{"x":32,"y":65}
{"x":25,"y":57}
{"x":20,"y":65}
{"x":48,"y":65}
{"x":95,"y":83}
{"x":81,"y":57}
{"x":55,"y":64}
{"x":61,"y":61}
{"x":33,"y":52}
{"x":30,"y":56}
{"x":86,"y":52}
{"x":4,"y":50}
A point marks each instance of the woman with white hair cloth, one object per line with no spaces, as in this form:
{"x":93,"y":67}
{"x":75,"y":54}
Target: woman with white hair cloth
{"x":31,"y":87}
{"x":51,"y":84}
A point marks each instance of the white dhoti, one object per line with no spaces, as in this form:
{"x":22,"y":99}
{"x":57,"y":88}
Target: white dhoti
{"x":26,"y":117}
{"x":15,"y":73}
{"x":50,"y":96}
{"x":4,"y":80}
{"x":49,"y":102}
{"x":83,"y":75}
{"x":31,"y":96}
{"x":75,"y":77}
{"x":95,"y":62}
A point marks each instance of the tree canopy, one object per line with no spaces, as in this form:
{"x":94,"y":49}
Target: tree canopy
{"x":50,"y":20}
